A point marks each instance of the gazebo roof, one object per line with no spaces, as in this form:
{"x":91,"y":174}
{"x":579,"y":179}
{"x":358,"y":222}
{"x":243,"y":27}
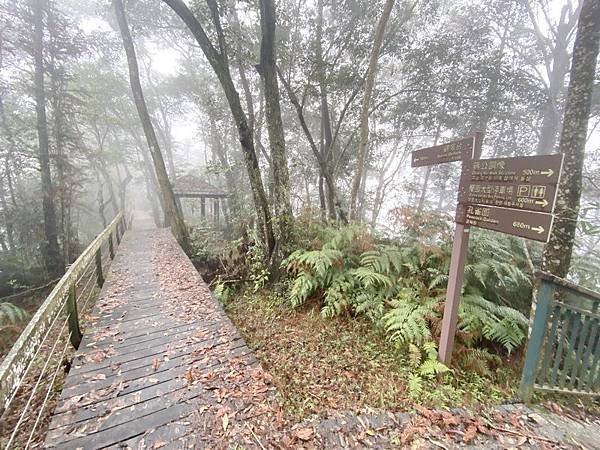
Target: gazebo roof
{"x":192,"y":186}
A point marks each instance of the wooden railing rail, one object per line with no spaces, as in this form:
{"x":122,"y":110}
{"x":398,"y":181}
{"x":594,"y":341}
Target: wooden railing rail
{"x":40,"y":348}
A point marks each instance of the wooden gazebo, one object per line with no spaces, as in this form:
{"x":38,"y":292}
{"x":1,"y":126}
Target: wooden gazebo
{"x":193,"y":187}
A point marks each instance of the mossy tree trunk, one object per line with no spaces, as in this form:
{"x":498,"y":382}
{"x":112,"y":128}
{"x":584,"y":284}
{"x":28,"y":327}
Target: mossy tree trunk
{"x":52,"y":255}
{"x":268,"y":72}
{"x":218,"y":60}
{"x":558,"y":251}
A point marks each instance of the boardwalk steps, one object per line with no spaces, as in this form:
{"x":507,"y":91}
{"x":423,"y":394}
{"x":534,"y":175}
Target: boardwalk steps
{"x":158,"y":351}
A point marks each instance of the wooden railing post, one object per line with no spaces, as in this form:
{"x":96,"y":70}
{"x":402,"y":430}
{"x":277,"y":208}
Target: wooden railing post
{"x":73,"y":317}
{"x":111,"y":248}
{"x":536,"y":340}
{"x":118,"y":233}
{"x":99,"y":274}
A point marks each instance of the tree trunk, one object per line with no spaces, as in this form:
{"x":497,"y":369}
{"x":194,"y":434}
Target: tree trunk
{"x":51,"y":248}
{"x":549,"y":127}
{"x":326,"y":171}
{"x":428,"y":171}
{"x":219,"y":62}
{"x":8,"y":221}
{"x":101,"y":203}
{"x":219,"y":151}
{"x":326,"y":130}
{"x":268,"y":72}
{"x":109,"y":185}
{"x":558,"y":251}
{"x":164,"y":129}
{"x":172,"y":212}
{"x":364,"y":112}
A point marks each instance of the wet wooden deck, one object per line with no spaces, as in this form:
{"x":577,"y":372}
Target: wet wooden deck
{"x":160,"y":365}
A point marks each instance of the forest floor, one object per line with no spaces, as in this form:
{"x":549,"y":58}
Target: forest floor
{"x":343,"y":387}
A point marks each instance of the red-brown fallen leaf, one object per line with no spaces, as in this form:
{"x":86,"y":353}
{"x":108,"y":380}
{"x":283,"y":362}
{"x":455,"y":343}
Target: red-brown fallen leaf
{"x":159,"y":444}
{"x":155,"y":364}
{"x":450,"y":419}
{"x":304,"y":434}
{"x":470,"y":433}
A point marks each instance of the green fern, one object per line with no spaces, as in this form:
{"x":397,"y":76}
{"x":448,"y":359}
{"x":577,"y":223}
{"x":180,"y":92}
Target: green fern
{"x":407,"y":321}
{"x":11,"y":314}
{"x":415,"y":386}
{"x":318,"y":261}
{"x":369,"y":278}
{"x":400,"y":288}
{"x":496,"y":323}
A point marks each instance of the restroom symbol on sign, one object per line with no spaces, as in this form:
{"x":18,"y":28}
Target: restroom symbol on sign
{"x":538,"y":191}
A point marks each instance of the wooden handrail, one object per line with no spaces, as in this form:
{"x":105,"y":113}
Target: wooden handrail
{"x":16,"y":364}
{"x":561,"y":282}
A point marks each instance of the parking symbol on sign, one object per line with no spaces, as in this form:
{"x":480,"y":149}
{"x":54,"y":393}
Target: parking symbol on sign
{"x":523,"y":190}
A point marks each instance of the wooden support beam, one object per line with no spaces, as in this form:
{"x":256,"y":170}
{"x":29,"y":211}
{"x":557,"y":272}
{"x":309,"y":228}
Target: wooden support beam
{"x":73,"y":317}
{"x":99,"y":274}
{"x":216,"y":210}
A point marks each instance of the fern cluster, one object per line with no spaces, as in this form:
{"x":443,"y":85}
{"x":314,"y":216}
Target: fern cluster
{"x":11,"y":315}
{"x":401,"y":288}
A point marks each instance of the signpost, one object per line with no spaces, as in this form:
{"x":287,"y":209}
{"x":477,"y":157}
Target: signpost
{"x":460,"y":150}
{"x":515,"y":196}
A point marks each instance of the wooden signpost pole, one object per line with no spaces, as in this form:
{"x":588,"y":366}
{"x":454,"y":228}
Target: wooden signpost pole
{"x":514,"y":195}
{"x":460,"y":246}
{"x":455,"y":281}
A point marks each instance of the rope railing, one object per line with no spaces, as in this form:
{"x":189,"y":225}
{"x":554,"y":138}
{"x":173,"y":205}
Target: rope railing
{"x":32,"y":369}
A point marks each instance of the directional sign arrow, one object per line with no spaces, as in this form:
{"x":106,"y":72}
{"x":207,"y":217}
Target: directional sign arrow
{"x":548,"y":172}
{"x":543,"y":203}
{"x":538,"y":229}
{"x":527,"y":224}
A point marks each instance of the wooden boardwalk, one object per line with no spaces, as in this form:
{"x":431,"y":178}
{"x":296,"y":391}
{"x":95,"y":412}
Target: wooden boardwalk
{"x":160,"y":365}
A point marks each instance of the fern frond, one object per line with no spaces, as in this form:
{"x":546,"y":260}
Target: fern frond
{"x":11,"y":314}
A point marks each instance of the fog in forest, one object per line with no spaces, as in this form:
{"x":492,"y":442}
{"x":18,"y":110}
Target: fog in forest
{"x":262,"y":133}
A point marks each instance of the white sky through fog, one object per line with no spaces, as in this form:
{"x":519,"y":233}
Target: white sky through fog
{"x":190,"y":147}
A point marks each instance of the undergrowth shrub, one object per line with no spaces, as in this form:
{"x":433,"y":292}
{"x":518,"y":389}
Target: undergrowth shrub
{"x":402,"y":288}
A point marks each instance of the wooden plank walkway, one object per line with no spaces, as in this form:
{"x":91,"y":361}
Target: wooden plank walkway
{"x":160,"y":365}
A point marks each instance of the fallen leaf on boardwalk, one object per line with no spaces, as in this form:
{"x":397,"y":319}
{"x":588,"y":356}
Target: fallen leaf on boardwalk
{"x":520,"y":441}
{"x":99,"y":376}
{"x":305,"y":434}
{"x":159,"y":444}
{"x":155,"y":363}
{"x":75,"y":399}
{"x":225,"y":420}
